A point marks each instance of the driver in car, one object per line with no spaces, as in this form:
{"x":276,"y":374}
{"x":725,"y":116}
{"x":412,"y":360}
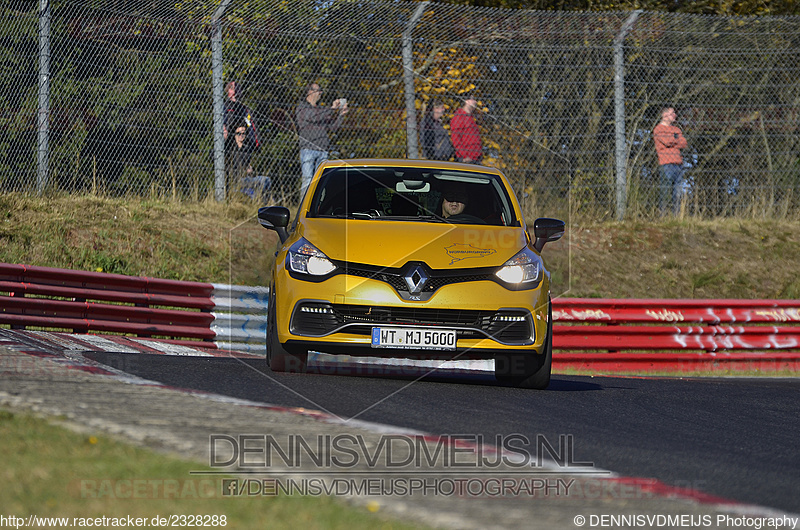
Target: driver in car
{"x":454,"y":200}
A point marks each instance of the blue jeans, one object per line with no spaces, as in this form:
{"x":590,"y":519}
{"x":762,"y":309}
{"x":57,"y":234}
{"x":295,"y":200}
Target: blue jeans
{"x":671,"y":184}
{"x":255,"y":187}
{"x":309,"y":162}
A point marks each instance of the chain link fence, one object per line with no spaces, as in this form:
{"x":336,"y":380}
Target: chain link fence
{"x":125,"y":97}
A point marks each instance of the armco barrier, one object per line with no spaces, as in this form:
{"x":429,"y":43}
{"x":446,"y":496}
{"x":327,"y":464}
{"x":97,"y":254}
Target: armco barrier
{"x":240,"y":317}
{"x":188,"y":313}
{"x":593,"y":334}
{"x":654,"y":335}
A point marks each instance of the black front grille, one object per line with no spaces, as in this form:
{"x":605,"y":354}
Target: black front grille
{"x":324,"y":319}
{"x":417,"y":316}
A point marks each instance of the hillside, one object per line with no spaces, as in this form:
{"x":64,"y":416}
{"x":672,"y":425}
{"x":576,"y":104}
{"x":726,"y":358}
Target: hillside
{"x":207,"y":241}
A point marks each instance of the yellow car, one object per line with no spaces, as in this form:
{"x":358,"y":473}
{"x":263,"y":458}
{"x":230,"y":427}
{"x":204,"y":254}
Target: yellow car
{"x":411,"y":258}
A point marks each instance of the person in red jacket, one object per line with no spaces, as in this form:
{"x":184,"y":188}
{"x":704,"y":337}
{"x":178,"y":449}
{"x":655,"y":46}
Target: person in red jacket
{"x":465,"y":135}
{"x":669,"y":141}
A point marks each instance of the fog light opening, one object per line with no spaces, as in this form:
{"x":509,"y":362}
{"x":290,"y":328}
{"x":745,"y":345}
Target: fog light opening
{"x":319,"y":309}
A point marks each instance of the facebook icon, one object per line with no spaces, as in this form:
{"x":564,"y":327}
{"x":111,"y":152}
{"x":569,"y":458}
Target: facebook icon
{"x":230,"y":487}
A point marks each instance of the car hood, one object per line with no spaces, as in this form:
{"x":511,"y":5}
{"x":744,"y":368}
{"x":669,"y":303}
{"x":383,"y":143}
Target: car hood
{"x":393,"y":243}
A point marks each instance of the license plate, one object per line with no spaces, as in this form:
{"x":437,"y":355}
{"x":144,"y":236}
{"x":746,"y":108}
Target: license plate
{"x":417,"y":338}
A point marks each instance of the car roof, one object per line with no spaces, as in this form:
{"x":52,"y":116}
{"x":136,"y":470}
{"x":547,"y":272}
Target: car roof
{"x":406,"y":162}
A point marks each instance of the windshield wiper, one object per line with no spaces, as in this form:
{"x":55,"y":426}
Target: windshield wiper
{"x":364,"y":215}
{"x":370,"y":215}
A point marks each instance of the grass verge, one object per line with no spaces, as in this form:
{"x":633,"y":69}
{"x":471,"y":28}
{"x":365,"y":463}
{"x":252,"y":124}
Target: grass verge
{"x":55,"y":472}
{"x":209,"y":241}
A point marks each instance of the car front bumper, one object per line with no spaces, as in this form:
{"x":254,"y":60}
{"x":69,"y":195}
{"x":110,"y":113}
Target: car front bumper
{"x":337,"y":316}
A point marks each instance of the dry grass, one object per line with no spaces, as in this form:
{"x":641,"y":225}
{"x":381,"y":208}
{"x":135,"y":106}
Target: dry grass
{"x":222,"y":242}
{"x":200,"y":241}
{"x":678,"y":259}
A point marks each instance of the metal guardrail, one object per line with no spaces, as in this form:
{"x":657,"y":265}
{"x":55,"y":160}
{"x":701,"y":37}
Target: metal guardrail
{"x":85,"y":302}
{"x":609,"y":336}
{"x":240,"y":317}
{"x":686,"y":325}
{"x":188,"y":313}
{"x":607,"y":332}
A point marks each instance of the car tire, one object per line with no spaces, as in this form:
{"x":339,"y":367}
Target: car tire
{"x":278,"y":359}
{"x":529,"y":369}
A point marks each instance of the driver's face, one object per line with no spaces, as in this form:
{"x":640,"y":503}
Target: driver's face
{"x":452,"y":208}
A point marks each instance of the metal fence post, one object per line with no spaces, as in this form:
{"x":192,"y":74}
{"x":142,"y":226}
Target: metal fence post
{"x":619,"y":113}
{"x":43,"y":155}
{"x":218,"y":95}
{"x":408,"y":76}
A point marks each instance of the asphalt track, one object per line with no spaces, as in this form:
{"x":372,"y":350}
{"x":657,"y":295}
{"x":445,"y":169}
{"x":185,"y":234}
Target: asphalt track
{"x":736,"y":438}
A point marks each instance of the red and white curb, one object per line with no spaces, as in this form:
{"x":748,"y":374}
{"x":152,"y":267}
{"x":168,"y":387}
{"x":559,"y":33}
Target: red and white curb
{"x":68,"y":342}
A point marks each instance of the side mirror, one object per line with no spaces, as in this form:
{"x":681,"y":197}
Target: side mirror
{"x":275,"y":218}
{"x":545,"y":230}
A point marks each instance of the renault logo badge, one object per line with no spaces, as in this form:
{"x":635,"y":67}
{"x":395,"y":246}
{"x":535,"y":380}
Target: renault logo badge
{"x":416,"y":279}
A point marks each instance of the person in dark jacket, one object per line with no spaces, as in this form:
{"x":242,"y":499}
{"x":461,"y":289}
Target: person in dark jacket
{"x":436,"y":144}
{"x":239,"y":149}
{"x":314,"y":122}
{"x":237,"y":112}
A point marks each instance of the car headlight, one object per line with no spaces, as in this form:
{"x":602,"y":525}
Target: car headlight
{"x":524,"y":270}
{"x":305,"y":258}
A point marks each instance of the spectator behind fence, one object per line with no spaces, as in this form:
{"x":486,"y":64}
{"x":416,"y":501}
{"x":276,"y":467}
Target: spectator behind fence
{"x":239,"y":149}
{"x":237,"y":112}
{"x":314,"y":122}
{"x":465,"y":133}
{"x":669,"y":141}
{"x":436,"y":144}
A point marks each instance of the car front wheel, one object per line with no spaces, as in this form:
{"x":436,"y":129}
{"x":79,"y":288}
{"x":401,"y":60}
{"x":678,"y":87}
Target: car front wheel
{"x":528,"y":369}
{"x":278,"y":358}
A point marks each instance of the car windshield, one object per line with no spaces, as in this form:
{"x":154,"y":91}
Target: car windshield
{"x":413,"y":194}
